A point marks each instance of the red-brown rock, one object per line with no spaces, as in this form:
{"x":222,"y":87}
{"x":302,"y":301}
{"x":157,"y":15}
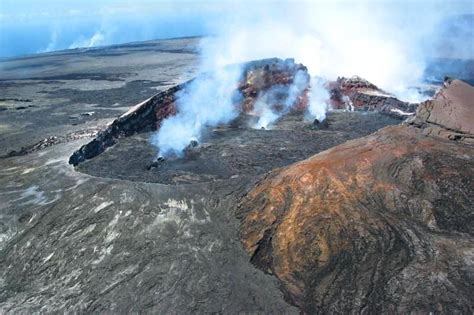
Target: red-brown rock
{"x":450,"y":114}
{"x":381,"y":224}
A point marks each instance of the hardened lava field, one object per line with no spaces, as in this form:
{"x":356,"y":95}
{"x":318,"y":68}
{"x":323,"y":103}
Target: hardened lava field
{"x":234,"y":150}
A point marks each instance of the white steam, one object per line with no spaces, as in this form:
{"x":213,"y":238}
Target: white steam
{"x":281,"y":96}
{"x":318,"y":97}
{"x":207,"y":101}
{"x":266,"y":115}
{"x":53,"y":42}
{"x":97,"y":39}
{"x":384,"y":42}
{"x":104,"y":35}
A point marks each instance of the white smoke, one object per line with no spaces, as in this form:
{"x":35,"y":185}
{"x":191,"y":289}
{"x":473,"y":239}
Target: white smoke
{"x":377,"y":40}
{"x":266,"y":115}
{"x":318,"y":97}
{"x":265,"y":104}
{"x":97,"y":39}
{"x":105,"y":34}
{"x":207,"y":101}
{"x":53,"y":42}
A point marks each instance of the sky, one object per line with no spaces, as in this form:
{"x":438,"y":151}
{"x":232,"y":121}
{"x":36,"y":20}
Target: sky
{"x":35,"y":26}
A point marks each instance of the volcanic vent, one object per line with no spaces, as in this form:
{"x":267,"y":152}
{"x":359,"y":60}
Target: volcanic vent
{"x":271,"y":128}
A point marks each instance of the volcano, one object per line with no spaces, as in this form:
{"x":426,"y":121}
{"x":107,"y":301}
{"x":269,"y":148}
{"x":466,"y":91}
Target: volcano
{"x":367,"y":211}
{"x":369,"y":214}
{"x":258,"y":77}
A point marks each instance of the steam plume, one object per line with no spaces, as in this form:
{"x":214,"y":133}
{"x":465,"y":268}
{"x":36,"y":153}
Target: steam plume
{"x":383,"y":42}
{"x":207,"y":101}
{"x":265,"y":102}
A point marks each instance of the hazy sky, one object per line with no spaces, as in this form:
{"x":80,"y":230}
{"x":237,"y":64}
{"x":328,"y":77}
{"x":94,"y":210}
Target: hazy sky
{"x":32,"y":26}
{"x":29,"y":26}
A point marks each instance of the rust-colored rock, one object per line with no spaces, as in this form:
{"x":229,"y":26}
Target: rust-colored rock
{"x":381,"y":224}
{"x":167,"y":109}
{"x":144,"y":116}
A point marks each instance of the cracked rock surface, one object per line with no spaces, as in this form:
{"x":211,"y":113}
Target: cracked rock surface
{"x":78,"y":243}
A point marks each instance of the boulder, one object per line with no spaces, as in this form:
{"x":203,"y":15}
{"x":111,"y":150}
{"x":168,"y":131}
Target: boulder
{"x":450,"y":114}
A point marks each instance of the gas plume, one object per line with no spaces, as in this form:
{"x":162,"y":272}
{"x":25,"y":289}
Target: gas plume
{"x":384,"y":42}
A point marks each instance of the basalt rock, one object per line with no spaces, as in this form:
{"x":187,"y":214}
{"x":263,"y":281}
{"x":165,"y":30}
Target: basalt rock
{"x":257,"y":77}
{"x":359,"y":94}
{"x":143,"y":117}
{"x":54,"y":140}
{"x":380,"y":224}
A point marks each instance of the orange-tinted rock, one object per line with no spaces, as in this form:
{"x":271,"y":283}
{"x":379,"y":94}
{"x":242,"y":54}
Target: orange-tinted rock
{"x":380,"y":224}
{"x":453,"y":107}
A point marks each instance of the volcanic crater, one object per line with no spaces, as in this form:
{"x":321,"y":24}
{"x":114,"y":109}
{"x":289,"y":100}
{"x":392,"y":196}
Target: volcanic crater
{"x":369,"y":211}
{"x":238,"y":148}
{"x":316,"y":224}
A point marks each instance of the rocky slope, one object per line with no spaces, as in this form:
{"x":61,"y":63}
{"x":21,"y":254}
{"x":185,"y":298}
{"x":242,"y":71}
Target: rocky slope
{"x":111,"y":235}
{"x":358,"y":94}
{"x":383,"y":223}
